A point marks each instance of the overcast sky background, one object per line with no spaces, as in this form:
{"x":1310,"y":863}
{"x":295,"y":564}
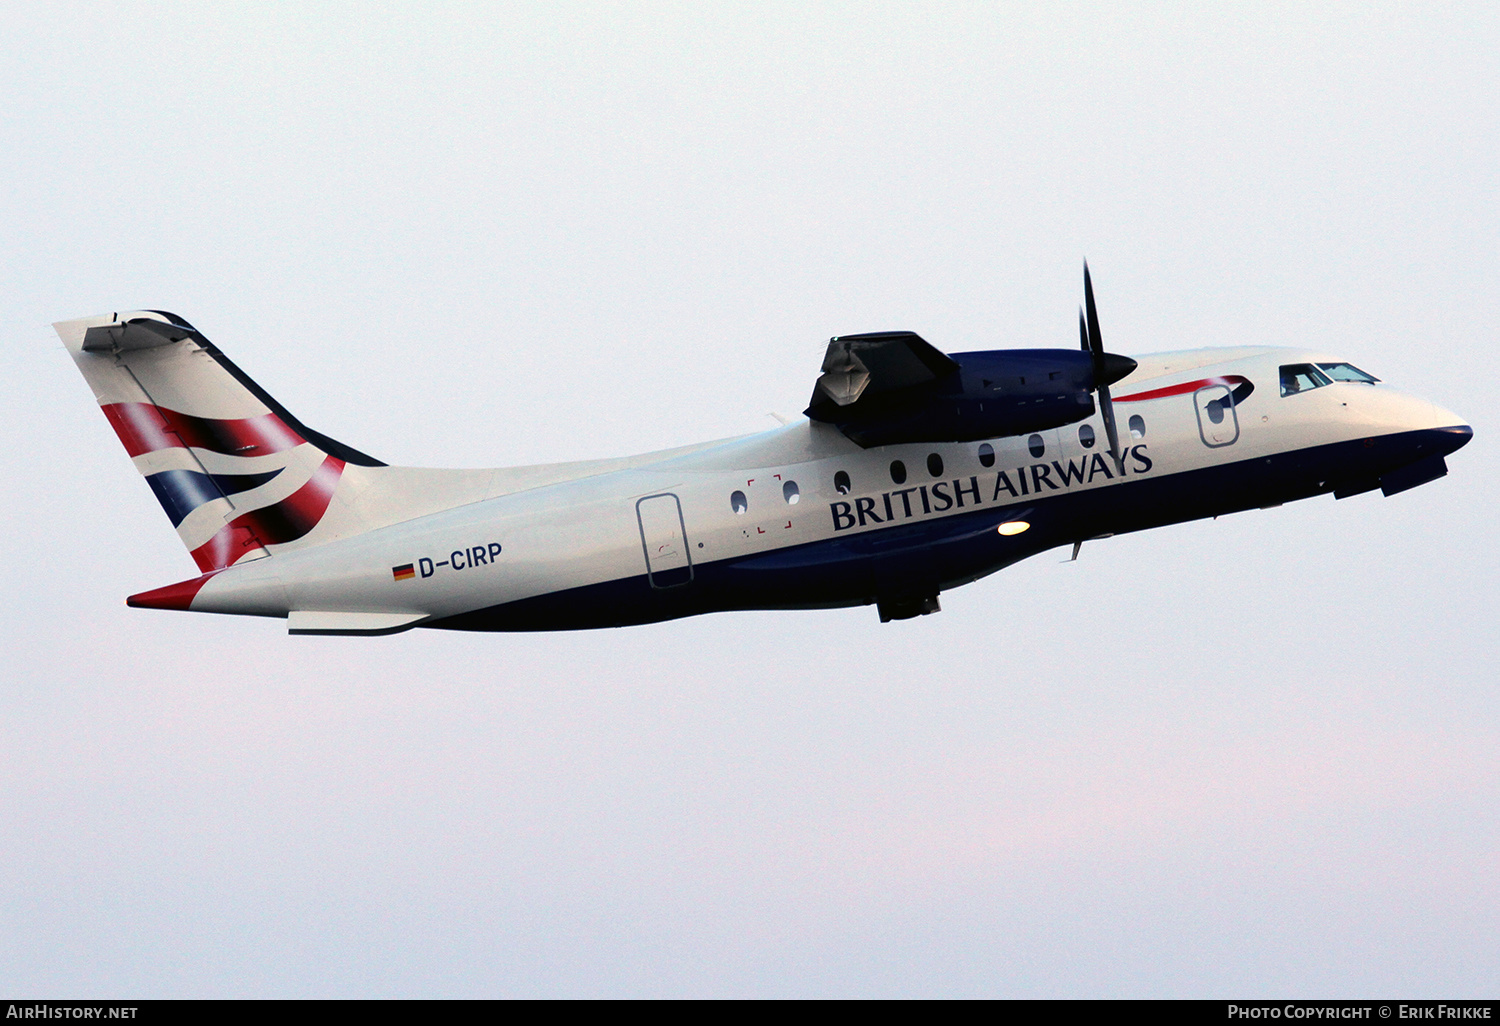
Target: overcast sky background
{"x":1252,"y":756}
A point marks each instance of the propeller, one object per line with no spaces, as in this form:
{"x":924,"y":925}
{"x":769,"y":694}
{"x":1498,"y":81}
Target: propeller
{"x":1107,"y":366}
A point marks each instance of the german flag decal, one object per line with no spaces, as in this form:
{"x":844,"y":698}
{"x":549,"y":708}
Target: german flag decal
{"x":404,"y":572}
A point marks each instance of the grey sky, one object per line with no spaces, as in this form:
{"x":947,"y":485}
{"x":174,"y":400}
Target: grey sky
{"x":1250,"y":756}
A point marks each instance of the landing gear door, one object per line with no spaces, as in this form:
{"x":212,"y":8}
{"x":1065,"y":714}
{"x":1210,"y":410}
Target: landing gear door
{"x":1218,"y":424}
{"x":664,"y":541}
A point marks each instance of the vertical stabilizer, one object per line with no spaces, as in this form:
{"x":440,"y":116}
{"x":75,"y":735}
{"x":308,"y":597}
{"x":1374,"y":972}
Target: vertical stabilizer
{"x":237,"y":475}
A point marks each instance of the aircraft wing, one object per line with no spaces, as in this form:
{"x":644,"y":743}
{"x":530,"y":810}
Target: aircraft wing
{"x":890,"y":387}
{"x":857,"y":366}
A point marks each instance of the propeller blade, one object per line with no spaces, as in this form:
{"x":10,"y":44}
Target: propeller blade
{"x":1096,"y":341}
{"x":1095,"y":346}
{"x":1107,"y":407}
{"x":1083,"y":331}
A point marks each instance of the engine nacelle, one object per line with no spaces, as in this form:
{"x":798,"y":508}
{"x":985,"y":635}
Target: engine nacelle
{"x":988,"y":394}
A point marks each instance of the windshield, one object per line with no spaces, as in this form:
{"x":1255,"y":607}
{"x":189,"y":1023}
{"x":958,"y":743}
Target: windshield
{"x":1346,"y":372}
{"x":1301,"y":377}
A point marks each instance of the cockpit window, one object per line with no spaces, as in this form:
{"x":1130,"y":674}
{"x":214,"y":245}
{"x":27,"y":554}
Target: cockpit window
{"x":1346,"y":372}
{"x":1301,"y":377}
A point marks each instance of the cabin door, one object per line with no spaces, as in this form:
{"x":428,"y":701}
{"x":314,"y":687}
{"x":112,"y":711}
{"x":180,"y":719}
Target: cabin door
{"x":664,"y":541}
{"x":1218,"y":424}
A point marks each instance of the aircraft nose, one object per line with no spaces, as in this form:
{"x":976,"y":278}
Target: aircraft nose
{"x":1452,"y":439}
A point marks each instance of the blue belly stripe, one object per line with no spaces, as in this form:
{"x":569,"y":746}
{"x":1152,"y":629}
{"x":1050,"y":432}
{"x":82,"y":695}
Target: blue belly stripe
{"x":916,"y":559}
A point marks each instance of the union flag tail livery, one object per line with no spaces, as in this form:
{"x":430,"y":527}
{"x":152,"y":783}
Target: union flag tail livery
{"x":914,"y":471}
{"x":237,"y":475}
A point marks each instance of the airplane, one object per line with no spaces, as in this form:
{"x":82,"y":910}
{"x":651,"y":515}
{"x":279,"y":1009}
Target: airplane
{"x":911,"y":472}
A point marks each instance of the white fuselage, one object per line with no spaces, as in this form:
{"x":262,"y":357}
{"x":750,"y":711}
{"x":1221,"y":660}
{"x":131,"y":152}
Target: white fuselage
{"x":798,"y":516}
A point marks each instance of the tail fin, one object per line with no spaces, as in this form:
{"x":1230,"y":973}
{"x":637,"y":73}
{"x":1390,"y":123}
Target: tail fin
{"x":235,"y":472}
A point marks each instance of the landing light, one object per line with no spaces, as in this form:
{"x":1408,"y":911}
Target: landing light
{"x":1011,"y":527}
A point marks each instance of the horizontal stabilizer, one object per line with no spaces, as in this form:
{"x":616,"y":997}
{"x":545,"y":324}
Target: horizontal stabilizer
{"x":141,"y":333}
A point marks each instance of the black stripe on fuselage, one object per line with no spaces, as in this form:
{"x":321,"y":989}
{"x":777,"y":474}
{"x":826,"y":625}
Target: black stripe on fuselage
{"x":917,"y":559}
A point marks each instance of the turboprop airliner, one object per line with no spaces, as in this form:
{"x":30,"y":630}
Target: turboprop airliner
{"x":911,"y":472}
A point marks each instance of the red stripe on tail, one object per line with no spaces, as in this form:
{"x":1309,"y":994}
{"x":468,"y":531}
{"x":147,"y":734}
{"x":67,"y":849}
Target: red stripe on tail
{"x":276,"y":524}
{"x":145,"y":428}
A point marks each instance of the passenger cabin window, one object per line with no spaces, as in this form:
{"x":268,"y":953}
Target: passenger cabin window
{"x":1346,"y":372}
{"x":986,"y":455}
{"x":1137,"y":426}
{"x":934,"y":464}
{"x":841,"y":483}
{"x":1036,"y":445}
{"x":1302,"y":377}
{"x":1086,"y":436}
{"x":738,"y":503}
{"x":898,"y":472}
{"x":791,"y":493}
